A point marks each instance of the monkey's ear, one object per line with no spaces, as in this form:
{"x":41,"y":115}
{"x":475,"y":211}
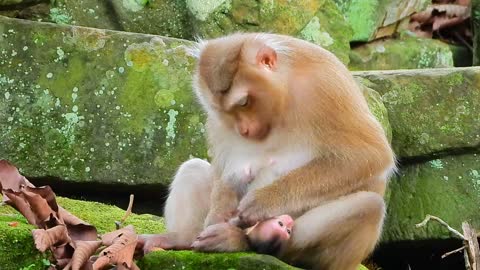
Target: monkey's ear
{"x":267,"y":57}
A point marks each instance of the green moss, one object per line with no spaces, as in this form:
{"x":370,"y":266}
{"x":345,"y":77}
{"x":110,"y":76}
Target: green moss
{"x":430,"y":111}
{"x":376,"y":106}
{"x":17,"y":249}
{"x":445,"y":188}
{"x":60,"y":16}
{"x":334,"y":37}
{"x":105,"y":222}
{"x":363,"y":16}
{"x":101,"y":100}
{"x":407,"y":52}
{"x":186,"y":260}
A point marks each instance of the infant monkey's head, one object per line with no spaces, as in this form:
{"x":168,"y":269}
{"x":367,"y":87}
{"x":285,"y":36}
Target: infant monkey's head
{"x":270,"y":236}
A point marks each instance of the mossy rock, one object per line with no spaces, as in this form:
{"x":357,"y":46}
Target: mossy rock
{"x":366,"y":16}
{"x":405,"y":53}
{"x":363,"y":16}
{"x":160,"y":17}
{"x":98,"y":105}
{"x":317,"y":21}
{"x":87,"y":104}
{"x":431,"y":111}
{"x":448,"y":188}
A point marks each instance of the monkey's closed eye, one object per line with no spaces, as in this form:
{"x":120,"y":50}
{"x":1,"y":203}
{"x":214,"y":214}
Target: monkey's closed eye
{"x":244,"y":101}
{"x":224,"y":91}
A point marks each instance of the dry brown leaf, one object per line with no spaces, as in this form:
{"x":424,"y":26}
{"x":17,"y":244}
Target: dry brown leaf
{"x":17,"y":201}
{"x":46,"y":193}
{"x":124,"y":267}
{"x":69,"y":218}
{"x":121,"y":251}
{"x":63,"y":251}
{"x":69,"y":264}
{"x":82,"y":232}
{"x":110,"y":237}
{"x":10,"y":178}
{"x":13,"y":224}
{"x":83,"y":251}
{"x":45,"y":239}
{"x":65,"y":264}
{"x":38,"y":205}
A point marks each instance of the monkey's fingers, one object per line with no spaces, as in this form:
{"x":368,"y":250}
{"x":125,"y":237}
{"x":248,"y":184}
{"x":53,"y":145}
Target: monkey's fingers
{"x":210,"y":231}
{"x":235,"y":221}
{"x":210,"y":244}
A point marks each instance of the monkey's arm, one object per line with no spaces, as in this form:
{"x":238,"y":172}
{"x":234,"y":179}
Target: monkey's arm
{"x":224,"y":202}
{"x":306,"y":187}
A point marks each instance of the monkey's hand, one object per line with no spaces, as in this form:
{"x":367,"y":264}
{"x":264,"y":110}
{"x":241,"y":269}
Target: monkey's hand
{"x":221,"y":237}
{"x":252,"y":209}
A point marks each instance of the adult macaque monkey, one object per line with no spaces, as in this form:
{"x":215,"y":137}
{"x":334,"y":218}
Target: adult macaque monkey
{"x":272,"y":97}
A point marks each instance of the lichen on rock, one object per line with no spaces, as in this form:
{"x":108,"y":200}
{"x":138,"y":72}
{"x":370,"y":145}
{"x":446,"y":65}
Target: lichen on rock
{"x":447,"y":187}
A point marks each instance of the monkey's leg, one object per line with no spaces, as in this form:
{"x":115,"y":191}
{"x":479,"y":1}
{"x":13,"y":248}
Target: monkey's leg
{"x":337,"y":235}
{"x":189,"y":199}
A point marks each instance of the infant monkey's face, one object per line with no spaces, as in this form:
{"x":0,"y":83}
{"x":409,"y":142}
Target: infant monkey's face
{"x":271,"y":235}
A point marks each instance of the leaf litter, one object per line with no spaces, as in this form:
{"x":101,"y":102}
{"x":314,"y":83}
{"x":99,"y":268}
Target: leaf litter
{"x":74,"y":243}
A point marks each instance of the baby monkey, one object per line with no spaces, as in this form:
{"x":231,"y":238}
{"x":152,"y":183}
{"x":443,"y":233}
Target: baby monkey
{"x":271,"y":235}
{"x":267,"y":237}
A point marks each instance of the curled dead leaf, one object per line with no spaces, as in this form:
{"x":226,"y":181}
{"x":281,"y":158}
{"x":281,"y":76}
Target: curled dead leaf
{"x":68,"y":218}
{"x":121,"y":250}
{"x":82,"y":232}
{"x":83,"y":251}
{"x":38,"y":205}
{"x":10,"y":177}
{"x":110,"y":237}
{"x":45,"y":239}
{"x":17,"y":201}
{"x":46,"y":193}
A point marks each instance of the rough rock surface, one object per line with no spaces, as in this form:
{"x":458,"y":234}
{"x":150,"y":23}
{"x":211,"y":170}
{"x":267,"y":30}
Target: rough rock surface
{"x":317,"y":21}
{"x":367,"y":16}
{"x":448,"y":188}
{"x":431,"y":111}
{"x":166,"y":18}
{"x":98,"y":105}
{"x":404,"y":53}
{"x":87,"y":104}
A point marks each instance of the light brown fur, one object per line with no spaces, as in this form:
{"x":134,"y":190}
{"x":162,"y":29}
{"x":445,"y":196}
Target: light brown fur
{"x":307,"y":112}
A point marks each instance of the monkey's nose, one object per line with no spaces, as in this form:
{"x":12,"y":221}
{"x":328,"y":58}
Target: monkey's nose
{"x":244,"y":131}
{"x":287,"y":220}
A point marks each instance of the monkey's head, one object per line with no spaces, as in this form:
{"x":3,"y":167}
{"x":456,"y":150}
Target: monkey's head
{"x":239,"y":80}
{"x":270,"y":236}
